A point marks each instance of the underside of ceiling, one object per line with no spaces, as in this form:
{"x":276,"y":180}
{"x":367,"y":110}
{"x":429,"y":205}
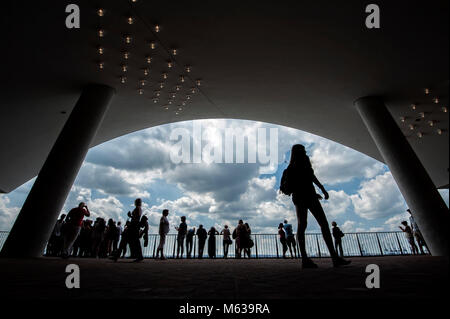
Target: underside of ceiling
{"x":296,"y":63}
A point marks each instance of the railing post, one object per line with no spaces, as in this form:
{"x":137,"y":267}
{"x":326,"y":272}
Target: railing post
{"x":256,"y":246}
{"x":359,"y":244}
{"x":399,"y":245}
{"x":379,"y":244}
{"x":174,"y":245}
{"x":195,"y":242}
{"x":318,"y":245}
{"x":154,"y":246}
{"x":276,"y":245}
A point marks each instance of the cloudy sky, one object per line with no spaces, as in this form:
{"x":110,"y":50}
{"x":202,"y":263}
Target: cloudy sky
{"x":363,"y":194}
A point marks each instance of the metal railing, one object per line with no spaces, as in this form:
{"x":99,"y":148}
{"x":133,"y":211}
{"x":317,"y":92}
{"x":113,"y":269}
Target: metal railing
{"x":269,"y":246}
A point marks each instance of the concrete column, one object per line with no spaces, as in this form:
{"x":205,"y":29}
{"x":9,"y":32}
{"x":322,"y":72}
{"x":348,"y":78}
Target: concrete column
{"x":428,"y":208}
{"x":43,"y":205}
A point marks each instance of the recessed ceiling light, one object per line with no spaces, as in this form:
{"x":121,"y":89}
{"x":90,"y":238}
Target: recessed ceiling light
{"x":403,"y":119}
{"x":101,"y":65}
{"x":431,"y":123}
{"x":127,"y":39}
{"x":141,"y":91}
{"x":152,"y":45}
{"x":188,"y":68}
{"x":411,"y":127}
{"x":146,"y":71}
{"x":198,"y":82}
{"x":148,"y":59}
{"x":157,"y":28}
{"x":142,"y":82}
{"x":427,"y":91}
{"x":436,"y":100}
{"x":169,"y":64}
{"x":444,"y":109}
{"x":422,"y":114}
{"x":130,"y":20}
{"x":126,"y":55}
{"x":100,"y":50}
{"x":182,"y":78}
{"x":174,"y":51}
{"x":101,"y":33}
{"x":164,"y":75}
{"x":439,"y":131}
{"x":123,"y":79}
{"x":413,"y":106}
{"x":420,"y":134}
{"x":124,"y":67}
{"x":100,"y":12}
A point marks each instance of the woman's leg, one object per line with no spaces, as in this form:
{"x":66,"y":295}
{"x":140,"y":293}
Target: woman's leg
{"x":302,"y":216}
{"x":317,"y":211}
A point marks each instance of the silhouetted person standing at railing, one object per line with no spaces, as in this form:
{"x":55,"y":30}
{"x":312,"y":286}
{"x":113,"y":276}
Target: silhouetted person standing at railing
{"x":134,"y":231}
{"x":241,"y":238}
{"x":122,"y":250}
{"x":226,"y":240}
{"x":72,"y":228}
{"x":189,"y":241}
{"x":299,"y":179}
{"x":163,"y":231}
{"x":417,"y":233}
{"x":56,"y":241}
{"x":98,"y":236}
{"x":201,"y":235}
{"x":337,"y":234}
{"x":212,"y":242}
{"x":282,"y":235}
{"x":290,"y":238}
{"x":409,"y":236}
{"x":182,"y":230}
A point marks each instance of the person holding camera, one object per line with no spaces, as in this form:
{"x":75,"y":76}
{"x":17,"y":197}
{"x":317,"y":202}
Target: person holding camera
{"x":74,"y":221}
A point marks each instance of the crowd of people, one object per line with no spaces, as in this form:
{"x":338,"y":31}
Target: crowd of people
{"x":73,"y":236}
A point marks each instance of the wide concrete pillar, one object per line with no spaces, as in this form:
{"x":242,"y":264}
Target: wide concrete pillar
{"x":428,"y":208}
{"x":43,"y":205}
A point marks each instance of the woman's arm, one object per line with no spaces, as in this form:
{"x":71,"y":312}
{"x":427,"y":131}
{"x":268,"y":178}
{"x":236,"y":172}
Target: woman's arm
{"x":316,"y":181}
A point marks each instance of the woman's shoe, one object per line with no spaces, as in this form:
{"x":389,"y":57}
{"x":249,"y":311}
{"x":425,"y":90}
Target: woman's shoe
{"x":308,"y":263}
{"x":338,"y":261}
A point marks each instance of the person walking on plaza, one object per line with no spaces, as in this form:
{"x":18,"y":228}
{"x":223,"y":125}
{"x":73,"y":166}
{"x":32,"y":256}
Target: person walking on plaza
{"x":282,"y":235}
{"x":290,"y":238}
{"x":189,"y":242}
{"x":163,"y":231}
{"x":337,"y":234}
{"x":298,"y":180}
{"x":409,"y":236}
{"x":226,"y":240}
{"x":182,"y":230}
{"x":74,"y":221}
{"x":201,"y":235}
{"x":212,"y":242}
{"x":417,"y":234}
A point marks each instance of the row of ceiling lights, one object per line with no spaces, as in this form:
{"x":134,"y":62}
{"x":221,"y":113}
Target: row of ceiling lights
{"x":127,"y":38}
{"x":422,"y":115}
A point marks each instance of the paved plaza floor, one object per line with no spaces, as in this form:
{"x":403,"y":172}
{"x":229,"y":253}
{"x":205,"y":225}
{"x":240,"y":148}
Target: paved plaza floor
{"x":400,"y":277}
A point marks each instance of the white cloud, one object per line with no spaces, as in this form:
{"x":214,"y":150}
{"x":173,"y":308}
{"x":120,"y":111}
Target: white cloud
{"x":338,"y":204}
{"x":348,"y":226}
{"x":8,"y":214}
{"x":378,"y":198}
{"x":334,"y":163}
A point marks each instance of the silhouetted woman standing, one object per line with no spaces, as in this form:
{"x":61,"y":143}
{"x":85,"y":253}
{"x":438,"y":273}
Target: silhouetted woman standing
{"x":212,"y":242}
{"x":301,"y":180}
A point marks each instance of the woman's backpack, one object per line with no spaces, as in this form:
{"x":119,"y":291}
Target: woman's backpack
{"x":285,"y":184}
